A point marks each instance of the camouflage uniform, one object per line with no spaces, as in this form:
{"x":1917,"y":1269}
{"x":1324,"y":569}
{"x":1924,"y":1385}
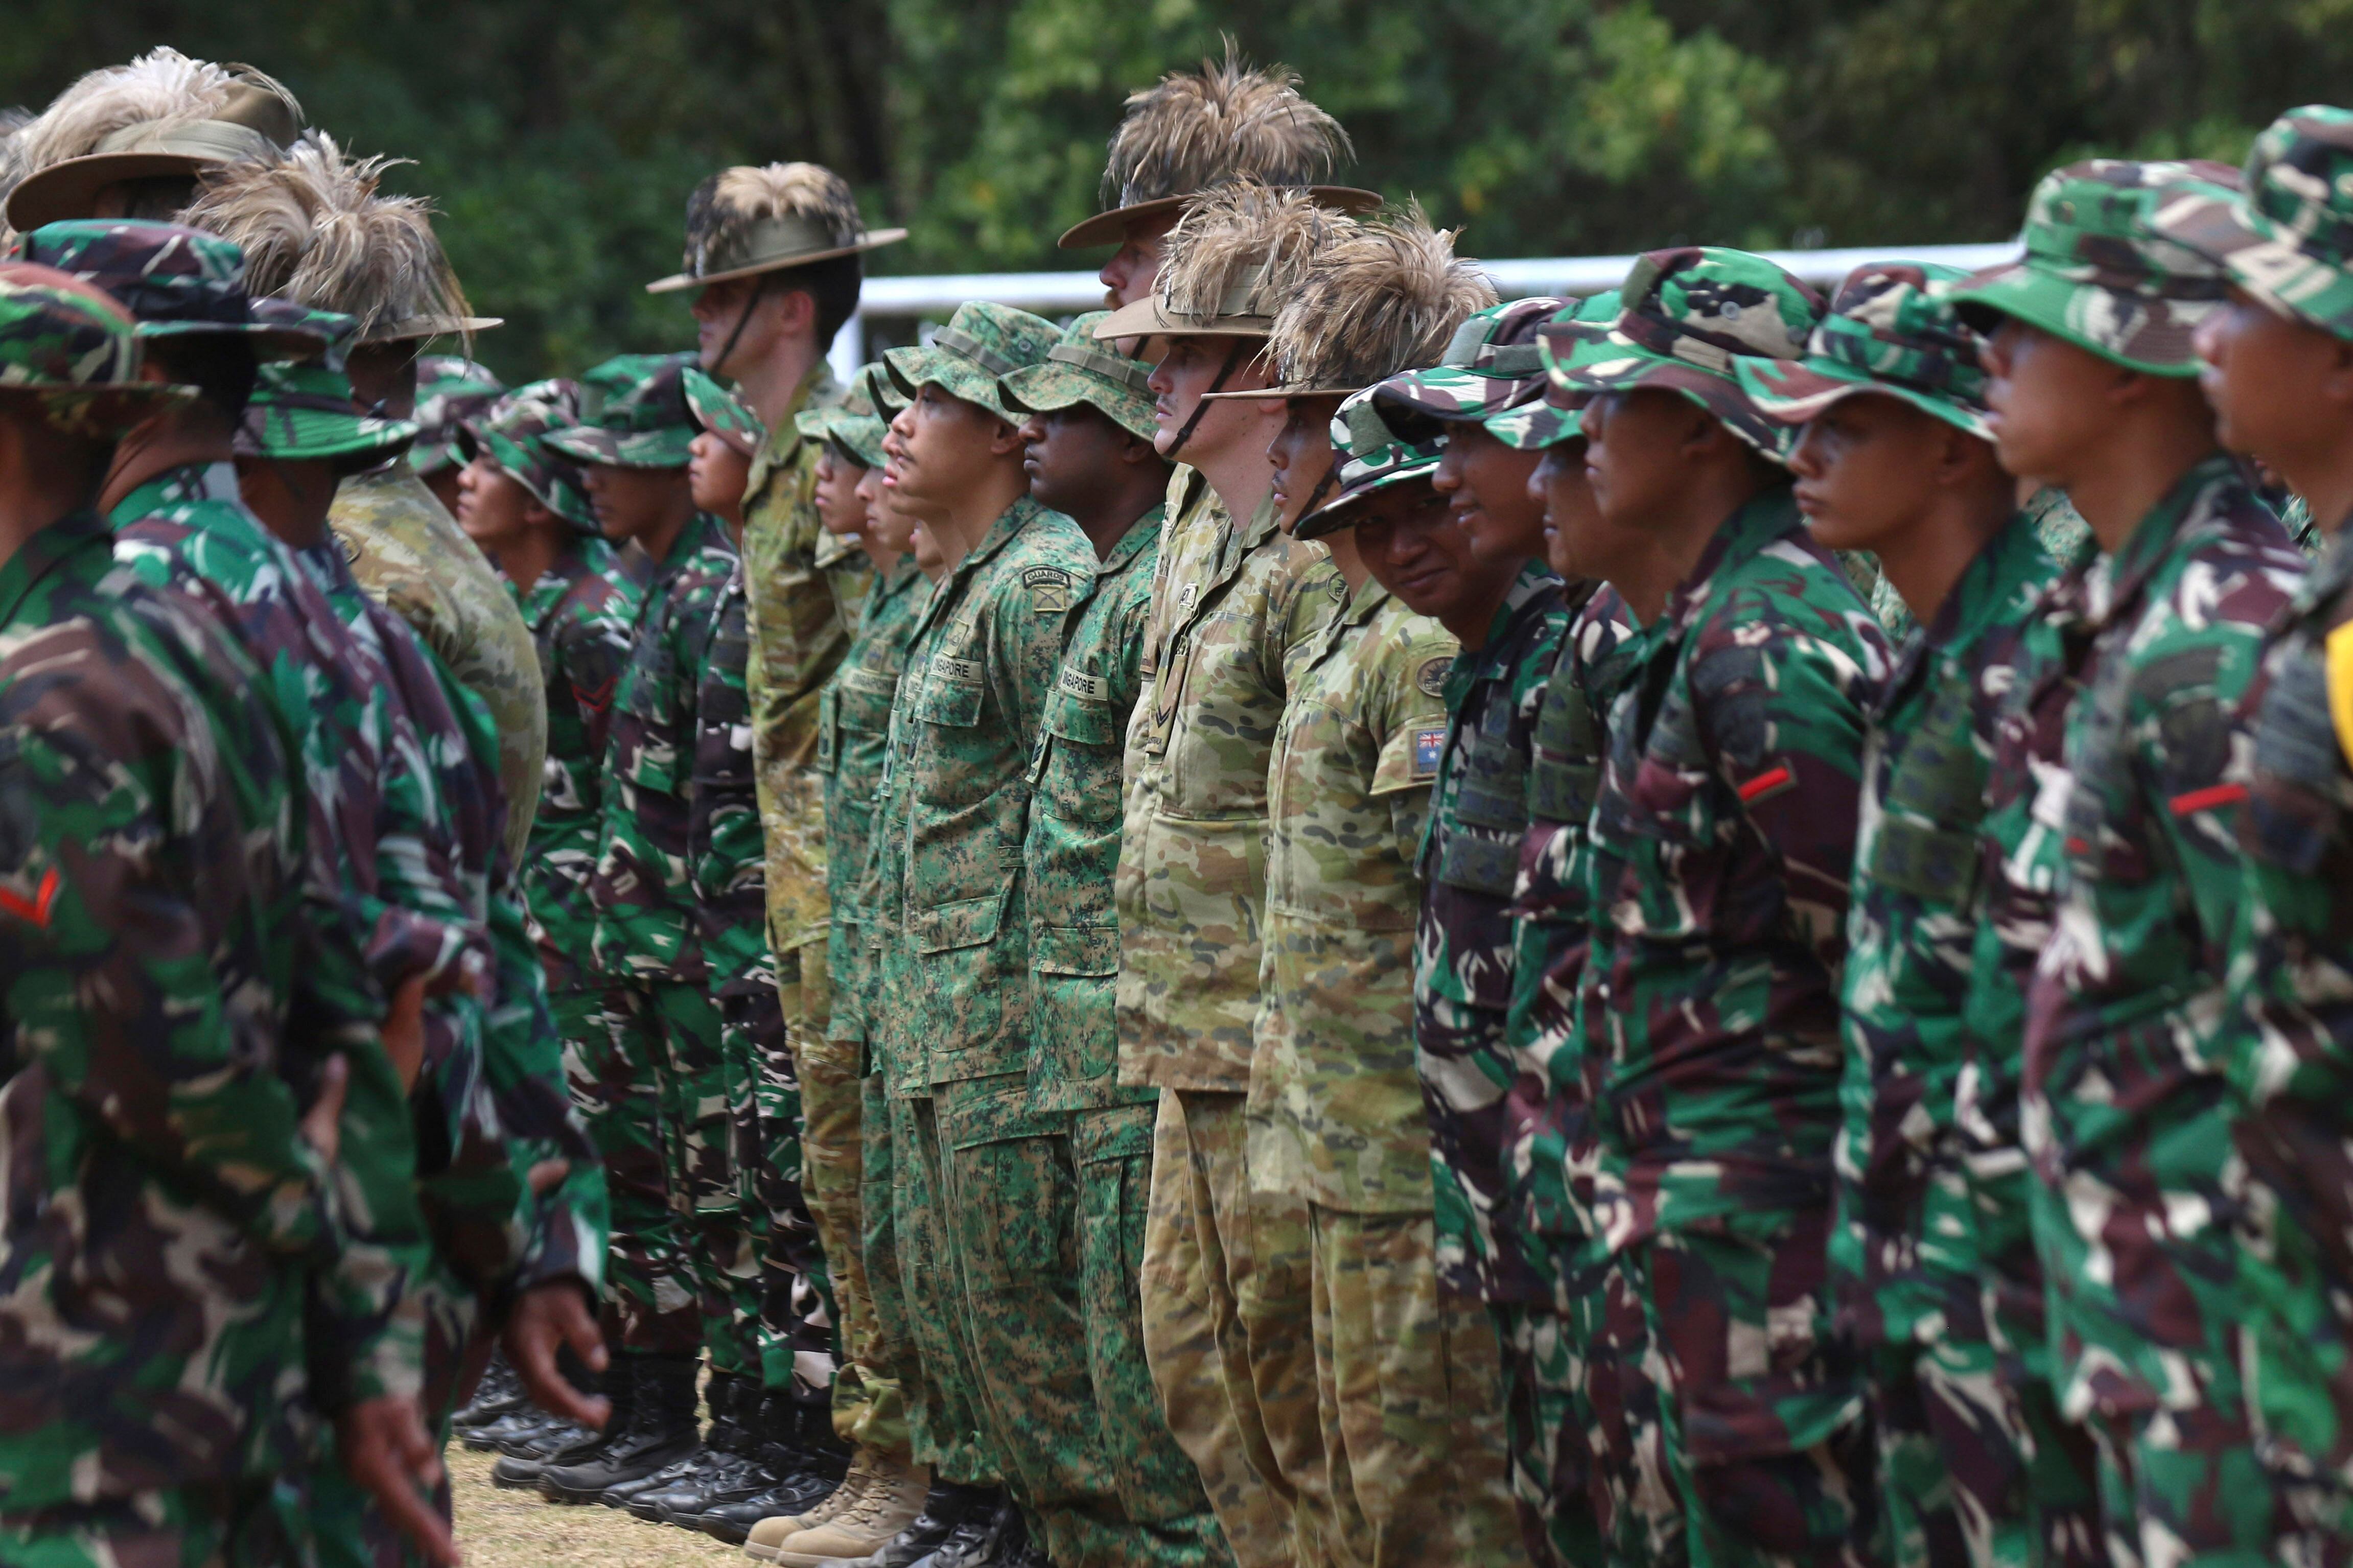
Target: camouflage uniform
{"x":2140,"y":1207}
{"x":979,"y":669}
{"x":1231,"y":604}
{"x":852,"y":740}
{"x":665,"y":1078}
{"x":2283,"y":243}
{"x":1721,"y":853}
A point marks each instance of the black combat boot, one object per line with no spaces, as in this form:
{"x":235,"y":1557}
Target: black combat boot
{"x":804,"y":1459}
{"x":521,"y":1471}
{"x":499,"y":1392}
{"x":726,"y":1451}
{"x":660,"y":1430}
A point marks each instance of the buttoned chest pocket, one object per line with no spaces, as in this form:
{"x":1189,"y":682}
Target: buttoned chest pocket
{"x":1927,"y":844}
{"x":1079,"y":767}
{"x":1482,"y":851}
{"x":955,"y":753}
{"x":1224,"y":708}
{"x":2112,"y":837}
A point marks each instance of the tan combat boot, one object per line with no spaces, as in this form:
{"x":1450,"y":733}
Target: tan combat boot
{"x":894,"y":1494}
{"x":766,"y":1535}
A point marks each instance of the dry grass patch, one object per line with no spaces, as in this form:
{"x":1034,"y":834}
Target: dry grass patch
{"x":522,"y":1530}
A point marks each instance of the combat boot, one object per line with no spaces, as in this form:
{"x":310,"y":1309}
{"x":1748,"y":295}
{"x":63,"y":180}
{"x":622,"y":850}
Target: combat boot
{"x":521,"y":1471}
{"x":859,"y":1521}
{"x":988,"y":1539}
{"x":660,"y":1430}
{"x":771,"y":1530}
{"x":802,"y":1455}
{"x":947,"y":1510}
{"x":499,"y":1393}
{"x":728,"y":1472}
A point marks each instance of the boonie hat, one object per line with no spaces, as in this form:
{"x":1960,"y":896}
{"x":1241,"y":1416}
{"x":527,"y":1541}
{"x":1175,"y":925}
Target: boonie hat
{"x":1893,"y":330}
{"x":2286,"y":237}
{"x":1079,"y":370}
{"x":982,"y":343}
{"x":71,"y":354}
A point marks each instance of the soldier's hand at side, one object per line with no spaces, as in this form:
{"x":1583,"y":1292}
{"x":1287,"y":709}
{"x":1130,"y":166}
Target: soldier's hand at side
{"x":403,"y":1030}
{"x":388,"y":1451}
{"x":323,"y":1124}
{"x":545,"y":1318}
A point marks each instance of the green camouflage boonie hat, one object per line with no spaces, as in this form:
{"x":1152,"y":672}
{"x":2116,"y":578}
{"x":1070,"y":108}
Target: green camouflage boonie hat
{"x":648,"y":425}
{"x":1370,"y":456}
{"x":70,"y":354}
{"x":722,"y":413}
{"x":612,"y":378}
{"x":1492,"y":364}
{"x":1552,"y":417}
{"x":2287,"y":238}
{"x":1079,"y":370}
{"x":1891,"y":330}
{"x":177,"y":281}
{"x":450,"y":390}
{"x":982,"y":343}
{"x":2097,"y":273}
{"x":303,"y":410}
{"x":513,"y":432}
{"x":1688,"y":317}
{"x":850,"y":425}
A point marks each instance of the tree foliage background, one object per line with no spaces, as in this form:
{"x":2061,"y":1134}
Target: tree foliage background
{"x":560,"y":137}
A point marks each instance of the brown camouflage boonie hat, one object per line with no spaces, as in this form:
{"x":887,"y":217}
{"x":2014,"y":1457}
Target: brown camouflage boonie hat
{"x":2287,"y":236}
{"x":1688,"y":317}
{"x":1494,"y":364}
{"x":2096,"y":271}
{"x":1892,"y":329}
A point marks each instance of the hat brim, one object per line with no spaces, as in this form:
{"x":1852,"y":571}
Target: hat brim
{"x":916,"y":366}
{"x":1110,"y":227}
{"x":1462,"y":397}
{"x":70,"y":189}
{"x":1346,"y":509}
{"x":1280,"y":394}
{"x":1795,"y":392}
{"x":1622,"y":366}
{"x":106,"y":408}
{"x":306,"y":435}
{"x":270,"y":342}
{"x":412,"y":327}
{"x":677,"y":280}
{"x":1144,"y":319}
{"x":1533,"y":426}
{"x":2263,"y":259}
{"x":2063,"y":309}
{"x":622,"y":449}
{"x":1049,"y":388}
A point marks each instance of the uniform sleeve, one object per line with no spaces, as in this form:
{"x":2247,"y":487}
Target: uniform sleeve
{"x":1783,"y":710}
{"x":1411,"y":724}
{"x":1029,"y":621}
{"x":1309,"y":593}
{"x":726,"y":854}
{"x":2185,"y":723}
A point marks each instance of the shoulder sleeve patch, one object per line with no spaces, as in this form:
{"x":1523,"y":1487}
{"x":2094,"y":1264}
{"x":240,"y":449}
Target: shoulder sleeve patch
{"x":1429,"y":746}
{"x":1431,"y":676}
{"x":1049,"y":588}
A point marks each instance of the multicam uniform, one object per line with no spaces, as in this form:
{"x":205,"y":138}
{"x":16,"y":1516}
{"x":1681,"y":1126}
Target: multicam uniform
{"x":1904,"y":1259}
{"x":2128,"y":1056}
{"x":664,"y":1078}
{"x":1721,"y":854}
{"x":1231,"y":604}
{"x":1408,"y":1386}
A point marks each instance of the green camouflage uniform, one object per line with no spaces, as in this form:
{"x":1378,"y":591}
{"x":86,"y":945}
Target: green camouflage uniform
{"x":1721,"y":854}
{"x":2283,"y":243}
{"x":979,"y":669}
{"x":1965,"y":1477}
{"x":853,"y":742}
{"x":2138,"y":1203}
{"x":1231,"y":604}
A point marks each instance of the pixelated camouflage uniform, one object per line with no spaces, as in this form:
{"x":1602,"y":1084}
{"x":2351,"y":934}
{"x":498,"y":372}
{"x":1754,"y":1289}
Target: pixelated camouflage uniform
{"x":1232,"y":602}
{"x":667,"y":1072}
{"x":879,"y":1362}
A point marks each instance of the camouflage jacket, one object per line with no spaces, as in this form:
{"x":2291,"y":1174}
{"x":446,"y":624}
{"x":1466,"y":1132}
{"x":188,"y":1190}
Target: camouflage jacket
{"x":370,"y":827}
{"x":1334,"y":1112}
{"x":1551,"y":1155}
{"x":980,"y":667}
{"x":408,"y":552}
{"x":583,"y":614}
{"x":805,"y":587}
{"x":727,"y":862}
{"x":1900,"y":1254}
{"x":1722,"y":850}
{"x":642,"y":890}
{"x":2122,"y":1046}
{"x":852,"y":743}
{"x":1071,"y":851}
{"x":1464,"y":954}
{"x":491,"y":1100}
{"x":162,"y":1220}
{"x":1230,"y":605}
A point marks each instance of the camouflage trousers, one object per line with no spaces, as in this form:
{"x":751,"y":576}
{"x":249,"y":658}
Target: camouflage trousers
{"x":1089,"y":1459}
{"x":1638,"y":1504}
{"x":1765,"y":1431}
{"x":780,"y":1316}
{"x":889,"y":1359}
{"x":261,"y":1522}
{"x":1409,"y":1395}
{"x":649,"y":1295}
{"x":1228,"y":1332}
{"x":670,"y":1032}
{"x":2299,"y":1386}
{"x":943,"y":1414}
{"x":1548,"y":1423}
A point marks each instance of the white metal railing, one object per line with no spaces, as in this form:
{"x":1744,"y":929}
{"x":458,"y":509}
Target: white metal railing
{"x":1066,"y":293}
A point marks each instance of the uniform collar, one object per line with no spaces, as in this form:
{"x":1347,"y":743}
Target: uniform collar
{"x":1768,"y":515}
{"x":702,"y":530}
{"x":176,"y":487}
{"x":784,"y":438}
{"x":2152,"y":541}
{"x":63,"y":541}
{"x":1986,"y":592}
{"x":1141,"y":532}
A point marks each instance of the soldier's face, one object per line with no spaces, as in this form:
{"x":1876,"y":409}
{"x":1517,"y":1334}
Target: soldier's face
{"x":1408,"y":538}
{"x":631,"y":503}
{"x":839,"y":490}
{"x":1129,"y":275}
{"x":1570,"y":518}
{"x":1190,"y":367}
{"x":493,"y":506}
{"x":1302,"y":455}
{"x":1071,"y":456}
{"x":2282,"y":391}
{"x":1486,"y":484}
{"x":777,"y":315}
{"x":945,"y":444}
{"x":2048,"y":402}
{"x":716,"y":473}
{"x":1868,"y":469}
{"x":1637,"y":452}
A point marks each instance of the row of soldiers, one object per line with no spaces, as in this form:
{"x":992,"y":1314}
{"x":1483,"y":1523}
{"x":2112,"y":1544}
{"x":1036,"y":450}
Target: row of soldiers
{"x":1316,"y":919}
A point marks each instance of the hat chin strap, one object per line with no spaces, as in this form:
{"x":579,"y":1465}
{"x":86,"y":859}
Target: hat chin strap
{"x":1201,"y":404}
{"x":1323,"y":488}
{"x":743,"y":320}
